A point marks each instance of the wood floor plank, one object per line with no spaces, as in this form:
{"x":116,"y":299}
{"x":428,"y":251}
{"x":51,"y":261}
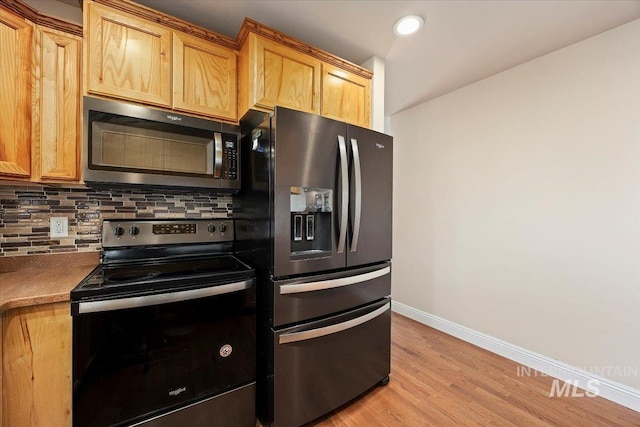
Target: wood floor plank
{"x":439,"y":380}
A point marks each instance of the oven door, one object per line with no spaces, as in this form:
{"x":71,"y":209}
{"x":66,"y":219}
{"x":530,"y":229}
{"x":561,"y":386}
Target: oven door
{"x":139,"y":360}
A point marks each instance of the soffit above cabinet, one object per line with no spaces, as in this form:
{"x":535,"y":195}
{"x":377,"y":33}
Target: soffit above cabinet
{"x":35,"y":16}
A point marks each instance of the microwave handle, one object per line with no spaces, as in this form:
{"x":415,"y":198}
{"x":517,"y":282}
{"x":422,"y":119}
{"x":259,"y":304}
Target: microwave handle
{"x":217,"y":167}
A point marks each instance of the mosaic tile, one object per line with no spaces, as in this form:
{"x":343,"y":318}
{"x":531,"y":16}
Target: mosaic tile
{"x":25,"y":213}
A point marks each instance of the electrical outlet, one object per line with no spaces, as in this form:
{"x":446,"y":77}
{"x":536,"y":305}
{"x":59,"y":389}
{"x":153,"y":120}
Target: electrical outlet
{"x":58,"y":226}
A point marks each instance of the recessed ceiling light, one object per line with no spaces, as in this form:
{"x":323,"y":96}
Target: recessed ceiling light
{"x":408,"y":25}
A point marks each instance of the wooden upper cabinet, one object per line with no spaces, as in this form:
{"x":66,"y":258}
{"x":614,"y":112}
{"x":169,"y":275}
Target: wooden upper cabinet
{"x":278,"y":75}
{"x":128,"y":57}
{"x":204,"y":77}
{"x":56,"y":106}
{"x":16,"y":38}
{"x":346,"y":96}
{"x":276,"y":69}
{"x":142,"y":55}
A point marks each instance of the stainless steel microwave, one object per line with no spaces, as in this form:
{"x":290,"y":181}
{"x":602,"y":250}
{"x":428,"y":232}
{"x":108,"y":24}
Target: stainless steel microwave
{"x":131,"y":144}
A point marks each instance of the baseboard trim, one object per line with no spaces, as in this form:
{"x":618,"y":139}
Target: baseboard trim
{"x":610,"y":390}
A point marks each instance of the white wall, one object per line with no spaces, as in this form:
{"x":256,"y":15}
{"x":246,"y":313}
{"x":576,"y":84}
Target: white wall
{"x":377,"y":65}
{"x":517,"y":205}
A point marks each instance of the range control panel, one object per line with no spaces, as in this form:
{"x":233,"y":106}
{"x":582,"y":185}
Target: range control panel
{"x":124,"y":233}
{"x":189,"y":228}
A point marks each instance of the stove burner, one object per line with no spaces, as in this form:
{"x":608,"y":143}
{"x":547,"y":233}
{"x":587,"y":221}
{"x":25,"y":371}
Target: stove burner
{"x":131,"y":276}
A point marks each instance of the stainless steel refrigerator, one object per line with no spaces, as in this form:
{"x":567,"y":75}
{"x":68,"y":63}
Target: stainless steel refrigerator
{"x":314,"y":217}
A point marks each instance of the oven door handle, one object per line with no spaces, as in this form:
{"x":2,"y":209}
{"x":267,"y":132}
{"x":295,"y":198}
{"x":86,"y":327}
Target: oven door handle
{"x":147,"y":300}
{"x":332,"y":329}
{"x":333,"y":283}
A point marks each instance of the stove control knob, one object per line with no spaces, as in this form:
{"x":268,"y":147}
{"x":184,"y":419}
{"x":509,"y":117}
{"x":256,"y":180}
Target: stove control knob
{"x":133,"y":230}
{"x":211,"y":228}
{"x":223,"y":228}
{"x":118,"y":231}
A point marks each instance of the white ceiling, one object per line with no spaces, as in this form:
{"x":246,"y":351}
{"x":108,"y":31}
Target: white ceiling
{"x":463,"y":41}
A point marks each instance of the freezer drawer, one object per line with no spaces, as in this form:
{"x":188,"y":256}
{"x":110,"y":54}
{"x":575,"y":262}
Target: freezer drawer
{"x":311,"y":297}
{"x":321,"y":365}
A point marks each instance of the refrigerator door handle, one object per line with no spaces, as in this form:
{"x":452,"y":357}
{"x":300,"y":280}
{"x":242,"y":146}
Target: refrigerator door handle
{"x":332,"y":329}
{"x":332,"y":283}
{"x":344,"y":204}
{"x":358,"y":194}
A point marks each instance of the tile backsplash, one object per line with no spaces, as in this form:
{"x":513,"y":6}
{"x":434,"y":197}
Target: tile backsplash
{"x":25,"y":213}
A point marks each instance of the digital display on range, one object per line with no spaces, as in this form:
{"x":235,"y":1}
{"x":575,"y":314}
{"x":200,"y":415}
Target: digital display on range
{"x":174,"y":229}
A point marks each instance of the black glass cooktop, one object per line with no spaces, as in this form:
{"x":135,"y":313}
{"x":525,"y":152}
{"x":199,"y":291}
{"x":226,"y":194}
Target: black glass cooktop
{"x":150,"y":276}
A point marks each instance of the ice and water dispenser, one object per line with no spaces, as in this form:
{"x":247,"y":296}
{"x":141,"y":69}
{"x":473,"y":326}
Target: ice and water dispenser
{"x":311,"y":210}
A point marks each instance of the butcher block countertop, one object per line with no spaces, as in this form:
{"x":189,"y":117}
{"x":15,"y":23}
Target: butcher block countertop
{"x":42,"y":279}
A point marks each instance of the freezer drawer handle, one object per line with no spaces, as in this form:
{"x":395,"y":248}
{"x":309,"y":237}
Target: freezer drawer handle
{"x":344,"y":203}
{"x":333,"y":283}
{"x":332,"y":329}
{"x":143,"y":301}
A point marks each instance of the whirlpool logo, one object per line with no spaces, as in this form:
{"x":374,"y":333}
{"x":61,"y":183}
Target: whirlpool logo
{"x":177,"y":391}
{"x":379,"y":145}
{"x":174,"y":118}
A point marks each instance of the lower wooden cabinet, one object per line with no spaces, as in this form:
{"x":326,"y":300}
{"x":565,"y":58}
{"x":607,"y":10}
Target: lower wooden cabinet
{"x":36,"y":366}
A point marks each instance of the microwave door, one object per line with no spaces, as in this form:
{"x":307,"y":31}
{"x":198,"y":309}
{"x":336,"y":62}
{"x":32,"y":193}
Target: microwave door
{"x":308,"y":163}
{"x":129,"y":144}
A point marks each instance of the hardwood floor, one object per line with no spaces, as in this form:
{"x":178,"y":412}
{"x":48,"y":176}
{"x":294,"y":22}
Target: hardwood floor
{"x":439,"y":380}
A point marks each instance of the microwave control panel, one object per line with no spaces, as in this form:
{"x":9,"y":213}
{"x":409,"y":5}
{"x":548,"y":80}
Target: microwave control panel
{"x":230,"y":157}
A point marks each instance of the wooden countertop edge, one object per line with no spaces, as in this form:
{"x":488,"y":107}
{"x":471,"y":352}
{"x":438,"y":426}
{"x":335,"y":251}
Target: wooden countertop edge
{"x":35,"y":300}
{"x":38,"y":279}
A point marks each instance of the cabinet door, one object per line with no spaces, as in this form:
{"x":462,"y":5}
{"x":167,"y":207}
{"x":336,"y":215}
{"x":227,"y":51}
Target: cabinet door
{"x":285,"y":77}
{"x":16,"y":36}
{"x":345,"y":96}
{"x":128,"y":57}
{"x":56,"y":107}
{"x":204,"y":77}
{"x":36,"y":366}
